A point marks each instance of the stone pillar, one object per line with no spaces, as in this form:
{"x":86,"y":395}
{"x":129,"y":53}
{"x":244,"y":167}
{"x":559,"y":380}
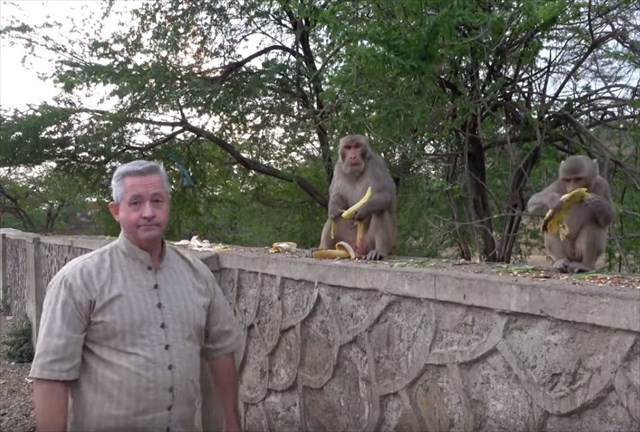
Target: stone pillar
{"x":34,"y":286}
{"x":4,"y":287}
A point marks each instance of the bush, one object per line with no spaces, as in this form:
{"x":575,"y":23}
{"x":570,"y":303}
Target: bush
{"x":19,"y":347}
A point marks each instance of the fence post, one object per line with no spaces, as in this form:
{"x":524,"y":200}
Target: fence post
{"x":4,"y":287}
{"x":34,"y":286}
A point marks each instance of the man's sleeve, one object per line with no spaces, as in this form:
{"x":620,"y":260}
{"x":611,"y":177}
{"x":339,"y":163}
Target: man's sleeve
{"x":65,"y":317}
{"x":222,"y":332}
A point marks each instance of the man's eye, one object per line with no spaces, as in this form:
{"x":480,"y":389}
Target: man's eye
{"x":134,"y":203}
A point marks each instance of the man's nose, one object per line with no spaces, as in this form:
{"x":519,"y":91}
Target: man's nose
{"x":147,"y":210}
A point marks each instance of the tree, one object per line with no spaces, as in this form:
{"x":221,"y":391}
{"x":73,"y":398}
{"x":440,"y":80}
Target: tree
{"x":466,"y":100}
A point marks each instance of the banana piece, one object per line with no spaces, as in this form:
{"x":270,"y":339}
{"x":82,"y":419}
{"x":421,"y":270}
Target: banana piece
{"x":359,"y":232}
{"x":342,"y":250}
{"x":351,"y":211}
{"x":553,"y":221}
{"x":283,"y":247}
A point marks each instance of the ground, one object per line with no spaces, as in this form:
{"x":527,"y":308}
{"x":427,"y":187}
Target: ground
{"x":16,"y":409}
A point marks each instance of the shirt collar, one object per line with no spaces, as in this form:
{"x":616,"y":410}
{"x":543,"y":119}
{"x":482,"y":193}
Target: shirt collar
{"x":136,"y":253}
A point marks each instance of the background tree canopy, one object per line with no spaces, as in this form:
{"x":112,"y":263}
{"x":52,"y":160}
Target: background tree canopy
{"x":472,"y":103}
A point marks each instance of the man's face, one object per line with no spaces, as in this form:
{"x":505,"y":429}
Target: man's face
{"x":143,"y":211}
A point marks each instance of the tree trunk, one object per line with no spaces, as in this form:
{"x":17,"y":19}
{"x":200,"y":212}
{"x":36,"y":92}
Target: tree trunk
{"x":476,"y":182}
{"x":516,"y":205}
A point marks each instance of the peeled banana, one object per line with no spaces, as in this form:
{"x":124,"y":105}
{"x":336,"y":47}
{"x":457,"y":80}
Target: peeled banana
{"x":342,"y":250}
{"x":351,"y":211}
{"x":554,"y":221}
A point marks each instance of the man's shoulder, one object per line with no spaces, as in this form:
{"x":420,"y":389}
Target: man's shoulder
{"x":187,"y":259}
{"x":93,"y":262}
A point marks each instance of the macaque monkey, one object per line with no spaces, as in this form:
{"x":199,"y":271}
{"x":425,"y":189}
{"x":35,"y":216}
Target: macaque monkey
{"x":359,"y":168}
{"x":586,"y":222}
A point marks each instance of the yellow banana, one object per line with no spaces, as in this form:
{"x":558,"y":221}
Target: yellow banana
{"x":359,"y":232}
{"x":342,"y":250}
{"x":351,"y":211}
{"x":553,"y":221}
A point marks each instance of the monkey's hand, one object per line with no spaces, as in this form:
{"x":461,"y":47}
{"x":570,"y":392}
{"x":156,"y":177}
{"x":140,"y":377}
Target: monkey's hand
{"x":552,"y":222}
{"x":335,"y":213}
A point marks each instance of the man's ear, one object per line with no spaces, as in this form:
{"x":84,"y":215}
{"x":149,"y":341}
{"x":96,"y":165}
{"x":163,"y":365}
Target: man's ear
{"x":114,"y":209}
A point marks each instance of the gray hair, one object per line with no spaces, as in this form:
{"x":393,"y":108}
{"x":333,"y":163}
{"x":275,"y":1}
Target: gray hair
{"x":136,"y":168}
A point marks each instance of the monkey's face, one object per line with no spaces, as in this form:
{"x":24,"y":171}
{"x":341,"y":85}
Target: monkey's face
{"x":352,"y":157}
{"x":578,"y":172}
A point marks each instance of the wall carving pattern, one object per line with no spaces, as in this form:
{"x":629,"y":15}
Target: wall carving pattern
{"x":318,"y":357}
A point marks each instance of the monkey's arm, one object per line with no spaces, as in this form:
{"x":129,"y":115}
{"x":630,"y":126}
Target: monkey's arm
{"x":337,"y":204}
{"x":549,"y":198}
{"x":601,"y":209}
{"x":378,"y":202}
{"x":600,"y":203}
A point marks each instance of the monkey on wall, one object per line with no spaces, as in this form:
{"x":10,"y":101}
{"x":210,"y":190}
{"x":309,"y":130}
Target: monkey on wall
{"x":586,"y":221}
{"x":357,"y":169}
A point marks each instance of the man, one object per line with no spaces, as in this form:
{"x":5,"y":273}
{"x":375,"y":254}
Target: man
{"x":123,"y":327}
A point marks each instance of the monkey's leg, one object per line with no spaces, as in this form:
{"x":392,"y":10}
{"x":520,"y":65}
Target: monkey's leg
{"x":326,"y":242}
{"x":556,"y":249}
{"x":381,"y":236}
{"x":344,"y":230}
{"x":590,"y":244}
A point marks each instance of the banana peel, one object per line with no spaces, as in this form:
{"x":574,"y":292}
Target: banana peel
{"x":342,"y":250}
{"x":554,"y":220}
{"x":350,"y":214}
{"x":279,"y":247}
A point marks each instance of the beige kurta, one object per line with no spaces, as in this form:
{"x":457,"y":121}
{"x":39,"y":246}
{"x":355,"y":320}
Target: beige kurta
{"x":129,"y":337}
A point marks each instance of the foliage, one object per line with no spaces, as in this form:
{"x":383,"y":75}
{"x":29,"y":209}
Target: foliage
{"x":19,"y":348}
{"x":472,"y":103}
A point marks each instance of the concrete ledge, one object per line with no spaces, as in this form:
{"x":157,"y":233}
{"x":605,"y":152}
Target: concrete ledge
{"x":603,"y":306}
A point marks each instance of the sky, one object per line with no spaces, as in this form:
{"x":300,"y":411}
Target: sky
{"x":20,"y":84}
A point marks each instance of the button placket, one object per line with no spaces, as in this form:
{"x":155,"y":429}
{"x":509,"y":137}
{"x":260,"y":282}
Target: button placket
{"x":169,"y":357}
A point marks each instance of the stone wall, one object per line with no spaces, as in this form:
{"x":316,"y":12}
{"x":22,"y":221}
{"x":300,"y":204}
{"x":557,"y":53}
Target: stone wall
{"x":343,"y":346}
{"x":15,"y":282}
{"x":336,"y":346}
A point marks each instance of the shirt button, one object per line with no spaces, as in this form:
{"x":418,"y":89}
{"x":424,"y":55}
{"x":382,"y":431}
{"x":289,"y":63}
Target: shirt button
{"x":163,"y":325}
{"x":159,"y":305}
{"x":168,"y":429}
{"x":171,"y":389}
{"x":169,"y":407}
{"x":149,"y":268}
{"x":170,"y":367}
{"x":155,"y":286}
{"x":166,"y":347}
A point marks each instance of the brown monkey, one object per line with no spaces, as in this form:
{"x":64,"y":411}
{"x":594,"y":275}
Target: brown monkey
{"x":587,"y":221}
{"x":358,"y":168}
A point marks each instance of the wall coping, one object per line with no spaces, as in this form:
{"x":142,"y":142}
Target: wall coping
{"x":606,"y":306}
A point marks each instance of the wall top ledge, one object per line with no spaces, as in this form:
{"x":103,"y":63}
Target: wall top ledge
{"x":608,"y":306}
